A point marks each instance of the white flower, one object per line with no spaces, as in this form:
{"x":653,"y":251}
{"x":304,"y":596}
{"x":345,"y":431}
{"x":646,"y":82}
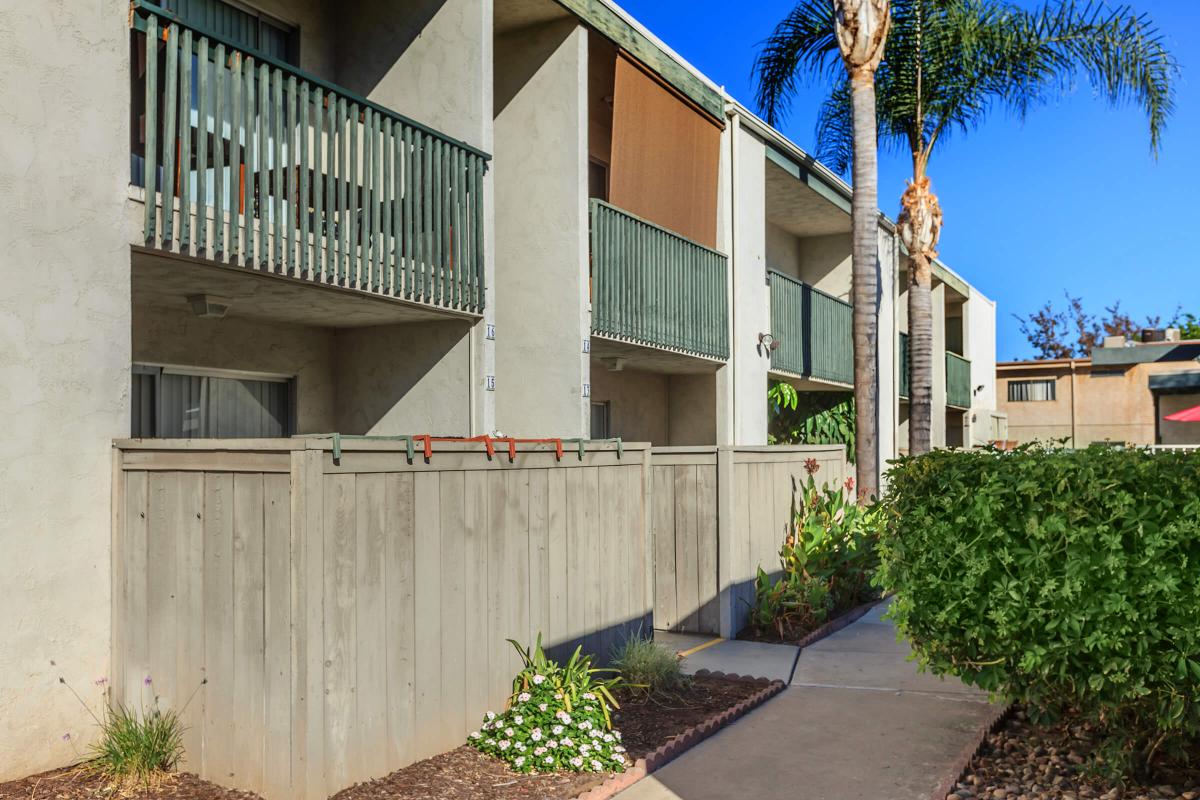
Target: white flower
{"x":617,"y":757}
{"x":589,"y":696}
{"x":505,"y":744}
{"x":585,"y":724}
{"x":618,"y":748}
{"x":608,"y":737}
{"x":617,"y":734}
{"x":518,"y":761}
{"x":549,"y":759}
{"x":596,"y":765}
{"x":538,"y":680}
{"x":520,"y":746}
{"x":476,"y":735}
{"x":558,"y":695}
{"x":490,"y":743}
{"x":567,"y":742}
{"x":595,"y":734}
{"x":524,"y":697}
{"x":552,"y":744}
{"x":509,"y":732}
{"x":536,"y":734}
{"x":518,"y":719}
{"x":539,"y":751}
{"x":577,"y":762}
{"x":556,"y":730}
{"x":542,"y":706}
{"x":583,"y":749}
{"x":491,"y":715}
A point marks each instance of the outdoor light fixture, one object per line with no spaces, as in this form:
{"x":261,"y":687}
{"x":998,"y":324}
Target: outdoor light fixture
{"x":207,"y":306}
{"x":767,"y":341}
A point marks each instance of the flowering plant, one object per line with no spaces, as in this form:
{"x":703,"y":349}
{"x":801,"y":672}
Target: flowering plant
{"x":557,"y":718}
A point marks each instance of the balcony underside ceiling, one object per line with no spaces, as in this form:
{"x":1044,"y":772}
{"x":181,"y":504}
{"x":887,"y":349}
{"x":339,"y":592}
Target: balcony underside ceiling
{"x":799,"y":209}
{"x":515,"y":15}
{"x":809,"y":384}
{"x":166,"y":281}
{"x":618,"y":355}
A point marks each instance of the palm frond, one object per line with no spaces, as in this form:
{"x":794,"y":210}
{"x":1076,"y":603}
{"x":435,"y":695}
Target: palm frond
{"x":802,"y":47}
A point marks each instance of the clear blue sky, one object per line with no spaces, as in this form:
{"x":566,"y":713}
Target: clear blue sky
{"x":1069,"y":199}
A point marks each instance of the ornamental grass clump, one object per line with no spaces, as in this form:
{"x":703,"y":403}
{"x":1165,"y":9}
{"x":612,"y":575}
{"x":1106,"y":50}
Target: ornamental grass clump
{"x":648,"y":668}
{"x":1067,"y":580}
{"x":558,"y":718}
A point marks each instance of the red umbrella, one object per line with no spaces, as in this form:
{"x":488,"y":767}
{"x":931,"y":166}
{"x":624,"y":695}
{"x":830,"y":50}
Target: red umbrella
{"x":1187,"y":415}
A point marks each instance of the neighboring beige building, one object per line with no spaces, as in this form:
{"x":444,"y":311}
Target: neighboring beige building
{"x":1120,"y":395}
{"x":263,"y":218}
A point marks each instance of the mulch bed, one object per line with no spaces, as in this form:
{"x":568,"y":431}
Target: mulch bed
{"x":75,"y":783}
{"x":466,"y":774}
{"x":1024,"y":761}
{"x":803,"y":635}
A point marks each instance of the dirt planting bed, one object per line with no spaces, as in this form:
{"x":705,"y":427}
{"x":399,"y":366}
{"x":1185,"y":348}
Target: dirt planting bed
{"x":645,"y":725}
{"x":1025,"y":761}
{"x":78,"y":783}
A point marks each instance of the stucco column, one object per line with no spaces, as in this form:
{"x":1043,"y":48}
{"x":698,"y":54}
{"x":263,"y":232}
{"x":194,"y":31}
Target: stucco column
{"x":938,"y":415}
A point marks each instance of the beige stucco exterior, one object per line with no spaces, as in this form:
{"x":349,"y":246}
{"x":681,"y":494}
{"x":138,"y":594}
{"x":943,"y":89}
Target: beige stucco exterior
{"x":1097,"y":403}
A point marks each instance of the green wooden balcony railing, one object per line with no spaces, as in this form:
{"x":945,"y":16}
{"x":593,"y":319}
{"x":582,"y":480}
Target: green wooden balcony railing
{"x":813,"y":331}
{"x":905,"y":369}
{"x":958,"y":381}
{"x":248,"y":161}
{"x":654,"y":287}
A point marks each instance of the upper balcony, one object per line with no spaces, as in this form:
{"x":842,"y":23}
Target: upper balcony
{"x":958,"y":377}
{"x":655,"y":288}
{"x":247,"y":161}
{"x":813,"y":330}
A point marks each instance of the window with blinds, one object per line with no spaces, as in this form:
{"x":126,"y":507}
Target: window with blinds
{"x":1032,"y":390}
{"x":170,"y":403}
{"x":242,"y":26}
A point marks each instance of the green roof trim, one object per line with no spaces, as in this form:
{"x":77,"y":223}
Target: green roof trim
{"x":807,"y":177}
{"x":612,"y":26}
{"x":947,"y":277}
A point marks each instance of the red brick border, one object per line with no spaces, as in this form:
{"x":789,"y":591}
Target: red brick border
{"x":837,"y":623}
{"x":688,"y":739}
{"x":963,"y":763}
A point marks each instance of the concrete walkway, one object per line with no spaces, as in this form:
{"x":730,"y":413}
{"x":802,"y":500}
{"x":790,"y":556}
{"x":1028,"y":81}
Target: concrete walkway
{"x":856,"y":721}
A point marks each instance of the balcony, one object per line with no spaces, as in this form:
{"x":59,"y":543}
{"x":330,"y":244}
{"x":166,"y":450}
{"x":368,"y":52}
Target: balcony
{"x":248,"y":162}
{"x":654,"y":288}
{"x":813,"y":331}
{"x":958,"y":381}
{"x":905,"y":369}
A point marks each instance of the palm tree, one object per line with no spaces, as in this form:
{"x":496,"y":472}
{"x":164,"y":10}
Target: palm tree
{"x":946,"y":64}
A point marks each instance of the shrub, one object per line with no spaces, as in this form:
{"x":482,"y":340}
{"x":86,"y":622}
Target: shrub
{"x":1058,"y":578}
{"x":649,"y":667}
{"x":557,"y":718}
{"x":827,"y":562}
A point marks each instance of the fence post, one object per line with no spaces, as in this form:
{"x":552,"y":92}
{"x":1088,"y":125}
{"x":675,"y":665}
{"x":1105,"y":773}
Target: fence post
{"x":726,"y":569}
{"x":648,"y":540}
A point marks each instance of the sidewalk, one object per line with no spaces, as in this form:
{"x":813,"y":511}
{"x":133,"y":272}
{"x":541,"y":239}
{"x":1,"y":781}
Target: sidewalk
{"x":856,"y":721}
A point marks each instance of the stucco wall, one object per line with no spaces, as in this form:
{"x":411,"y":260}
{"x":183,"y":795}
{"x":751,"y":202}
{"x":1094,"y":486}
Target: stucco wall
{"x":981,"y":349}
{"x":823,"y":262}
{"x":639,"y":403}
{"x":541,"y":230}
{"x":64,"y":324}
{"x":692,"y":409}
{"x":751,"y":297}
{"x":403,"y":379}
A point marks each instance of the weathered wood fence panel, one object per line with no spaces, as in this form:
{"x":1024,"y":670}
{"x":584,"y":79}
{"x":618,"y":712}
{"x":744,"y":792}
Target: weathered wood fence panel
{"x":350,"y":617}
{"x":718,"y":515}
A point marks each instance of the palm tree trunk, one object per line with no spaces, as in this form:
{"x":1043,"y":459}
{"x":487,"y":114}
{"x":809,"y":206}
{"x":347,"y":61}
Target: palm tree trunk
{"x":865,"y":264}
{"x":920,"y":353}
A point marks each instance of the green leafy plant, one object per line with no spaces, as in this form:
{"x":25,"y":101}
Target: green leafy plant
{"x":827,"y":562}
{"x":137,"y":748}
{"x":810,"y":417}
{"x":1063,"y":579}
{"x":558,"y":717}
{"x":648,"y":667}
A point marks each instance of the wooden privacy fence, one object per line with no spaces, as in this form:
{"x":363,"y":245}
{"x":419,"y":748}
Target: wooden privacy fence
{"x":718,"y":514}
{"x":350,"y":615}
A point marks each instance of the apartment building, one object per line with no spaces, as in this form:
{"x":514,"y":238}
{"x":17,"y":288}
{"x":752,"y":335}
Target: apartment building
{"x":231,"y":219}
{"x":1120,"y":395}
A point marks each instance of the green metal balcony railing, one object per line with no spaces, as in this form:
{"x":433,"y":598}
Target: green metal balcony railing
{"x":958,"y":381}
{"x":654,"y":287}
{"x":813,"y":331}
{"x":248,"y":161}
{"x":905,"y":369}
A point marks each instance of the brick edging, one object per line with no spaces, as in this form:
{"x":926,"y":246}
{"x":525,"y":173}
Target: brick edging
{"x":963,"y":763}
{"x":689,"y":738}
{"x":836,"y":624}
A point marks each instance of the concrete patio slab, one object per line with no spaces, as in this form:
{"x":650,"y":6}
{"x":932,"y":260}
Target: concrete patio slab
{"x":756,"y":659}
{"x":872,"y":671}
{"x":679,"y":642}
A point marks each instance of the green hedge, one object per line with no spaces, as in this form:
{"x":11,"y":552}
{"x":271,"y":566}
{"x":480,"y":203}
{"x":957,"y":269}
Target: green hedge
{"x":1058,"y":578}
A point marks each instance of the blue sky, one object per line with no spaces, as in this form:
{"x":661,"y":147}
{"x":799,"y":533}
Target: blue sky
{"x":1071,"y":198}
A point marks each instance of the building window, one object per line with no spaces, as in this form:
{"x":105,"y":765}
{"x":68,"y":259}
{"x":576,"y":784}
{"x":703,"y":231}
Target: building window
{"x":241,"y":25}
{"x":1028,"y":391}
{"x":180,"y":403}
{"x":600,"y":421}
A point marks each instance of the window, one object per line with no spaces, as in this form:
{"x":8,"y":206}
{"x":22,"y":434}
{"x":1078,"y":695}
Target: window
{"x":600,"y":421}
{"x":172,"y":403}
{"x":242,"y":26}
{"x":1028,"y":391}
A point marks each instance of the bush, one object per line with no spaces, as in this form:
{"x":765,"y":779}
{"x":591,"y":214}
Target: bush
{"x":827,"y":561}
{"x":649,"y":668}
{"x":1058,"y":578}
{"x":557,"y":718}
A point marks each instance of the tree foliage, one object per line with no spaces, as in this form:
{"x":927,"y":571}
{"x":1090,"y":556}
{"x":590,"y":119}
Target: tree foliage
{"x":1071,"y":332}
{"x":810,"y":417}
{"x":949,"y":63}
